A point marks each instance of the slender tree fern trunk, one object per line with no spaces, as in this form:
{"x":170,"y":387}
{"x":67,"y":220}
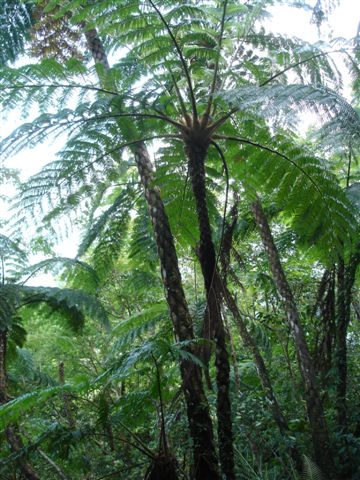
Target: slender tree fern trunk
{"x":197,"y":407}
{"x":325,"y":338}
{"x":3,"y":338}
{"x":248,"y":340}
{"x":342,"y":321}
{"x":205,"y":459}
{"x":345,"y":283}
{"x":196,"y":153}
{"x":320,"y":436}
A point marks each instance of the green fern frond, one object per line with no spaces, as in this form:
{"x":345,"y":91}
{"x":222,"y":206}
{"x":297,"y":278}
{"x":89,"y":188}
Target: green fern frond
{"x":311,"y":470}
{"x":15,"y":22}
{"x":73,"y":304}
{"x":60,"y":263}
{"x":304,"y":189}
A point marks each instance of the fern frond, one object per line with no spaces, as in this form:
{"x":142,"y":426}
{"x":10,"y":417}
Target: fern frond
{"x":73,"y":304}
{"x":15,"y":22}
{"x":305,"y":190}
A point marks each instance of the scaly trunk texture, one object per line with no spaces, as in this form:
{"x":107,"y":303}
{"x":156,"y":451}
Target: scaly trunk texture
{"x":320,"y":436}
{"x":342,"y":322}
{"x":325,"y":339}
{"x":205,"y":459}
{"x":3,"y":340}
{"x":11,"y":433}
{"x":196,"y":153}
{"x":345,"y":283}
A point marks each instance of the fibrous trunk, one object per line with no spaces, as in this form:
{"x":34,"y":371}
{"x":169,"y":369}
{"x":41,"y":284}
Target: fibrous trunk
{"x":320,"y":437}
{"x":205,"y":459}
{"x":196,"y":153}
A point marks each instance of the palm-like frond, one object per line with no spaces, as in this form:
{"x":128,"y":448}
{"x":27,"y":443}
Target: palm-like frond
{"x":302,"y":186}
{"x":74,"y":305}
{"x":15,"y":22}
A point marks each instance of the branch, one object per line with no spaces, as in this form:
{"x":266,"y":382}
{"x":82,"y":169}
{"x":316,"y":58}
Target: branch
{"x":182,"y":59}
{"x":51,"y":462}
{"x":57,"y":85}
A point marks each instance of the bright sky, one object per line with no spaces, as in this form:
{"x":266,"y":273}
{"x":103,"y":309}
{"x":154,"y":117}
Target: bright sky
{"x":343,"y":22}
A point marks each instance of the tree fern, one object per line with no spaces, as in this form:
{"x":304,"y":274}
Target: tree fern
{"x":15,"y":20}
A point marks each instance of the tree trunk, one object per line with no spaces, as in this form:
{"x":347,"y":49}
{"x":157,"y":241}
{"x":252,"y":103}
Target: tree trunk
{"x":248,"y":340}
{"x":325,"y":338}
{"x":320,"y":436}
{"x":205,"y":459}
{"x":196,"y":153}
{"x":3,"y":341}
{"x":197,"y":407}
{"x":345,"y":283}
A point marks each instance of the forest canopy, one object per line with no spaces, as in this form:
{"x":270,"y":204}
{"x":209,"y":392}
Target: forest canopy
{"x":208,"y":326}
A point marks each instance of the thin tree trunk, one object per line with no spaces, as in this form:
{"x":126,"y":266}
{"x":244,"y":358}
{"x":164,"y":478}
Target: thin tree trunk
{"x":196,"y":153}
{"x":3,"y":342}
{"x":320,"y":436}
{"x":345,"y":283}
{"x":264,"y":375}
{"x":325,"y":338}
{"x":248,"y":340}
{"x":205,"y":460}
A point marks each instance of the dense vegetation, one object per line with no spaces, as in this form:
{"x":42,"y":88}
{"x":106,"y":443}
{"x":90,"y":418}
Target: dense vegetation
{"x":208,"y":327}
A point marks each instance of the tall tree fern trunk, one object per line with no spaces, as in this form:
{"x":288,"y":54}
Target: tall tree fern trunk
{"x":196,"y":153}
{"x":196,"y":402}
{"x":345,"y":283}
{"x":3,"y":338}
{"x":248,"y":340}
{"x":342,"y":322}
{"x":200,"y":423}
{"x":320,"y":436}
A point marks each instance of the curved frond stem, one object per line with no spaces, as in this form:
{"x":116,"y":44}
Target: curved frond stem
{"x":122,"y":146}
{"x":162,"y":411}
{"x":297,"y":64}
{"x":147,"y":452}
{"x":348,"y":168}
{"x":57,"y":85}
{"x":222,"y":120}
{"x":165,"y":118}
{"x":216,"y":68}
{"x":226,"y":170}
{"x":180,"y":98}
{"x":270,"y":150}
{"x":181,"y":57}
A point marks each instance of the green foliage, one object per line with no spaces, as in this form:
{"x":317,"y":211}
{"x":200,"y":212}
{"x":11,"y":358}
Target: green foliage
{"x":15,"y":20}
{"x":106,"y":421}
